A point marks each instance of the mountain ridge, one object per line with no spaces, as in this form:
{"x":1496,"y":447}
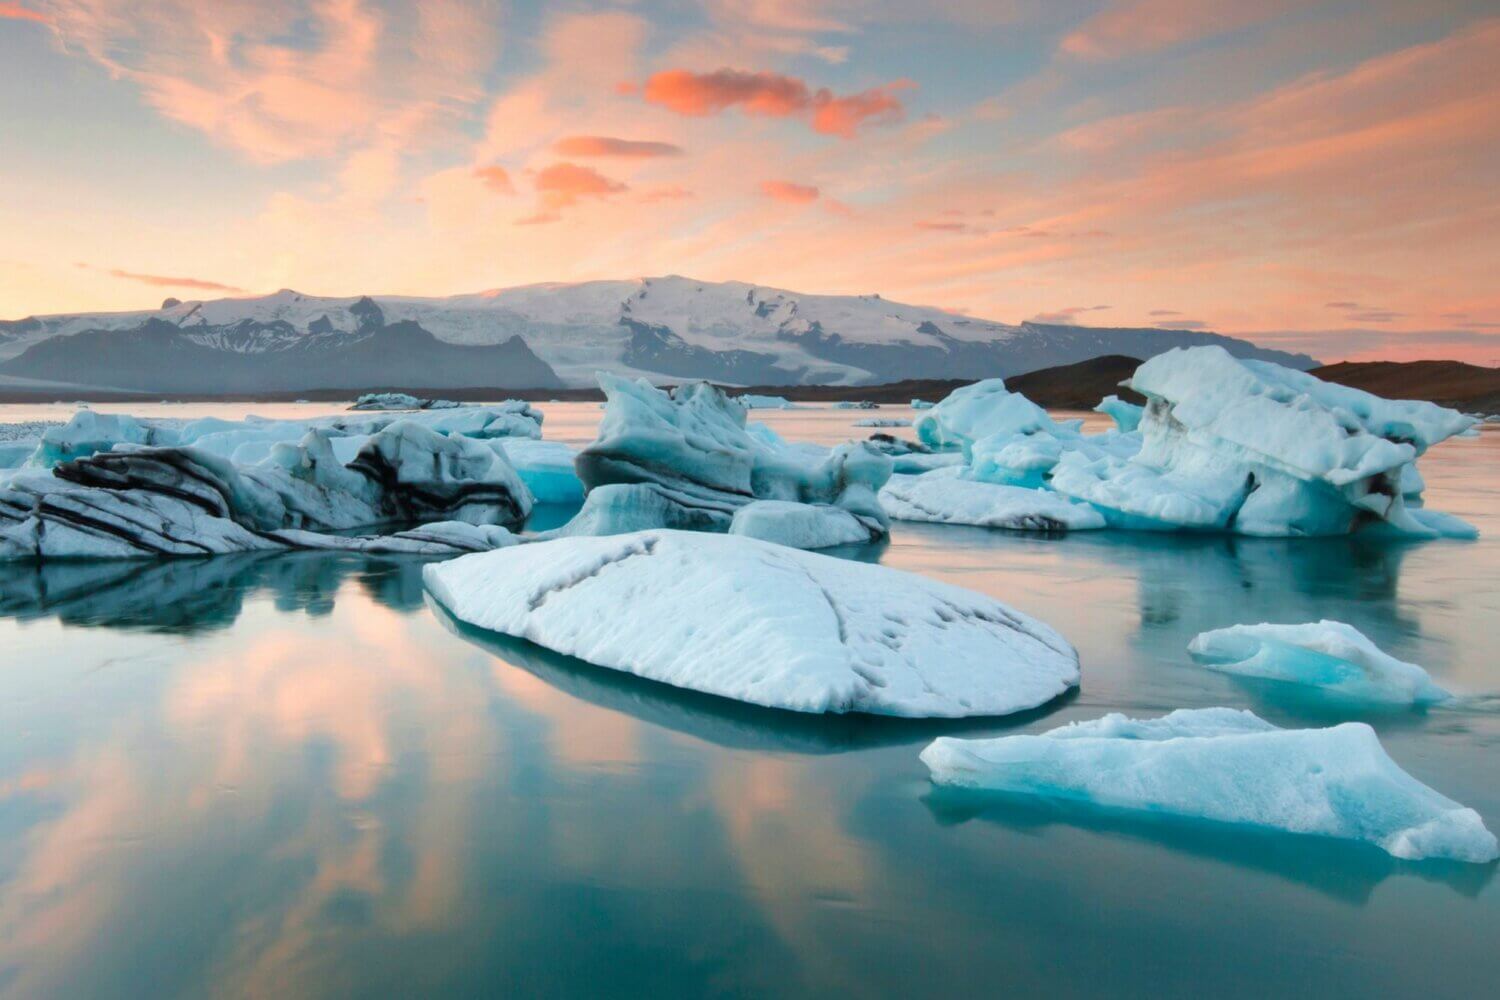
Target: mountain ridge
{"x":666,"y":329}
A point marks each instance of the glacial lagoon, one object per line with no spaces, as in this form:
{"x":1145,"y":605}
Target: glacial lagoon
{"x":275,"y":773}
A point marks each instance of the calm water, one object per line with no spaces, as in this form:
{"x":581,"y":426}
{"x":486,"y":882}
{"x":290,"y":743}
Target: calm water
{"x":285,"y":774}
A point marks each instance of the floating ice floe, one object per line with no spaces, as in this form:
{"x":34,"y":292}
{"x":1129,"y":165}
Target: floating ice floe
{"x":800,"y":525}
{"x":855,"y":404}
{"x":1127,"y":416}
{"x":1254,"y":448}
{"x":922,"y":404}
{"x":1329,"y":655}
{"x":694,"y":445}
{"x":882,"y":422}
{"x":1227,"y":766}
{"x":945,"y":497}
{"x":751,"y":401}
{"x":763,"y":623}
{"x":141,"y":501}
{"x":401,"y":401}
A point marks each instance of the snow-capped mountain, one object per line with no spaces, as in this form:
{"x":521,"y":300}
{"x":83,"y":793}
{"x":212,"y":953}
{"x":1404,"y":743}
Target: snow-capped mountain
{"x":541,"y":336}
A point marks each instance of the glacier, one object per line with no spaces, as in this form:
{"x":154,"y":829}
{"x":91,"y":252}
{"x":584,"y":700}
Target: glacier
{"x":762,"y":623}
{"x":1226,"y":766}
{"x":694,"y":447}
{"x":1332,"y":656}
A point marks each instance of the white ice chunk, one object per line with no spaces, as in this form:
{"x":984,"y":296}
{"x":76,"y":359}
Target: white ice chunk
{"x":751,"y":401}
{"x":943,"y":496}
{"x":1127,"y":416}
{"x":1228,"y":767}
{"x":800,"y":525}
{"x":763,"y":623}
{"x":1327,"y":654}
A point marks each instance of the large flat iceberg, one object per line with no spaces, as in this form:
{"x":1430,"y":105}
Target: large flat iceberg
{"x":1329,"y":655}
{"x":1231,"y":767}
{"x":762,"y":623}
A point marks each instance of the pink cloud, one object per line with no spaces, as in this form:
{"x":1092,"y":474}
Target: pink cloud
{"x":162,"y":281}
{"x":774,"y":96}
{"x":788,"y":191}
{"x":563,"y":185}
{"x":603,"y":145}
{"x":496,"y":178}
{"x":1138,"y":27}
{"x":15,"y":12}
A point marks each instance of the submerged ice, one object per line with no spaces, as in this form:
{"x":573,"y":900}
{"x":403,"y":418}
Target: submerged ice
{"x":1329,"y":655}
{"x":1227,"y":766}
{"x":762,"y":623}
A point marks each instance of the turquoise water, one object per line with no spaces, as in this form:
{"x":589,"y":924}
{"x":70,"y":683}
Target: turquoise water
{"x":285,"y":775}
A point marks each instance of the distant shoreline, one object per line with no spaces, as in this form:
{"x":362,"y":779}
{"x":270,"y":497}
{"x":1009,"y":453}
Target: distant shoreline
{"x":1467,"y":387}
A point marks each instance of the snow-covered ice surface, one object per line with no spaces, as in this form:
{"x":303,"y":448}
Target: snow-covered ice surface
{"x":1227,"y":766}
{"x":763,"y":623}
{"x":694,"y":444}
{"x":1329,"y":655}
{"x":945,"y":497}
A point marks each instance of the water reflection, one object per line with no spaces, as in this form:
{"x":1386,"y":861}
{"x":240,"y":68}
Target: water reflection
{"x":723,"y":721}
{"x":1343,"y":870}
{"x":282,"y":774}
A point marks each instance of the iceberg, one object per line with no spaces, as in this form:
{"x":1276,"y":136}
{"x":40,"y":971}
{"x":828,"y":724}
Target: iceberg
{"x":922,"y":404}
{"x":945,"y":497}
{"x":144,"y":501}
{"x":546,"y":467}
{"x":882,"y":422}
{"x":622,"y":508}
{"x":400,"y":401}
{"x":1330,"y":655}
{"x":694,"y":444}
{"x":1007,"y":439}
{"x":762,"y":623}
{"x":1254,"y":448}
{"x":856,"y":404}
{"x":751,"y":401}
{"x":1226,"y":766}
{"x":1127,"y":416}
{"x":800,"y":525}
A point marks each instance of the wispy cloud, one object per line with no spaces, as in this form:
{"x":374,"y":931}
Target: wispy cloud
{"x":603,"y":145}
{"x":165,"y":281}
{"x":789,"y":191}
{"x":15,"y":12}
{"x":773,"y":95}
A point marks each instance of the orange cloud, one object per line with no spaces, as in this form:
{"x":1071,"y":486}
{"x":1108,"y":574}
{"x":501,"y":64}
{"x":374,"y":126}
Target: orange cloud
{"x":603,"y":145}
{"x":496,"y":178}
{"x":15,"y":12}
{"x":842,"y":116}
{"x":162,"y":281}
{"x":774,"y":96}
{"x":563,"y":185}
{"x":797,"y":194}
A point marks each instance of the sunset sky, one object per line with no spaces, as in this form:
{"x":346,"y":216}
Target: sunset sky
{"x":1320,"y":176}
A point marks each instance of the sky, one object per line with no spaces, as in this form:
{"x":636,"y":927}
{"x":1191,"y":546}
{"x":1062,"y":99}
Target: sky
{"x":1318,"y":176}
